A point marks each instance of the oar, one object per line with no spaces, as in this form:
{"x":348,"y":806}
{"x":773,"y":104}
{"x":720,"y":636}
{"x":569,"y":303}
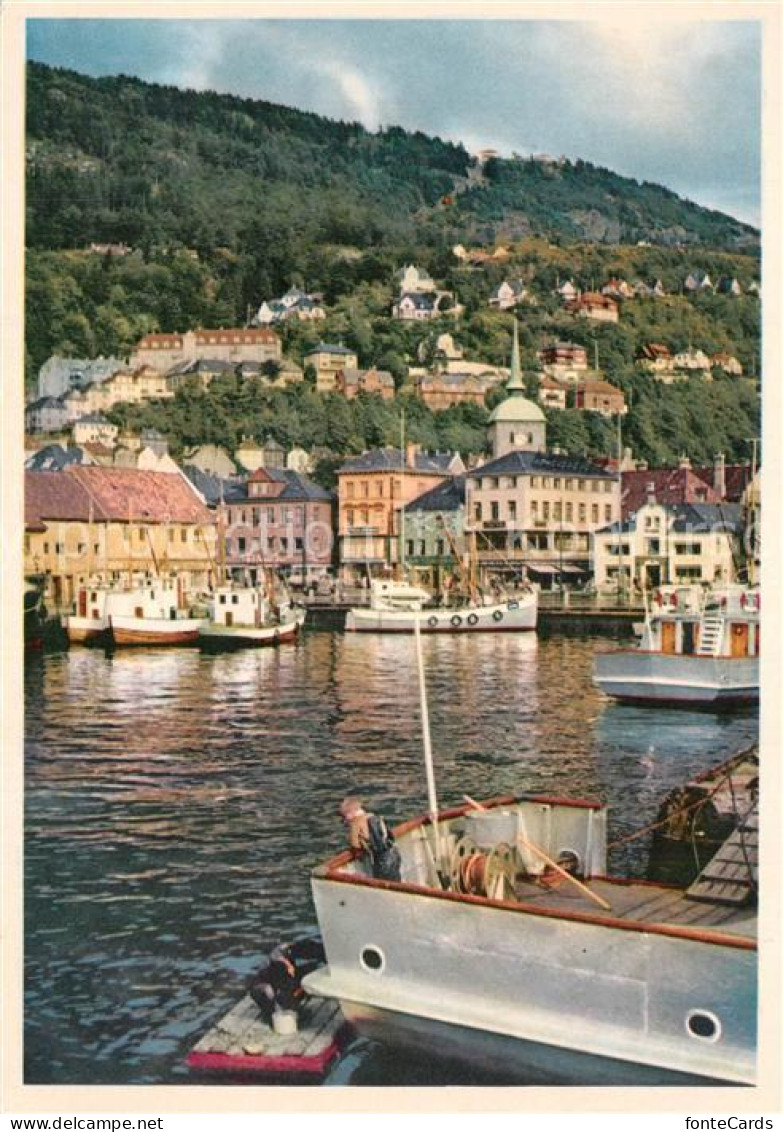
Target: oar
{"x":552,"y":864}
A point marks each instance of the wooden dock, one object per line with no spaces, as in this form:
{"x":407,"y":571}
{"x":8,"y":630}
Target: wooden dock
{"x":731,"y":876}
{"x":243,"y":1043}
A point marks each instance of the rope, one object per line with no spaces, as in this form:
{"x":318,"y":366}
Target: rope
{"x":691,"y":806}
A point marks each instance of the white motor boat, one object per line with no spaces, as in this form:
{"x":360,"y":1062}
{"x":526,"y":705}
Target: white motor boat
{"x":695,"y":649}
{"x":396,"y":607}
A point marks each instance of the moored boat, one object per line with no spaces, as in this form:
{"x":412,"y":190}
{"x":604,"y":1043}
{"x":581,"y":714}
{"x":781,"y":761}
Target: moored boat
{"x":695,"y":650}
{"x":396,"y":607}
{"x":485,"y":952}
{"x":151,"y":615}
{"x":89,"y":624}
{"x":243,"y":617}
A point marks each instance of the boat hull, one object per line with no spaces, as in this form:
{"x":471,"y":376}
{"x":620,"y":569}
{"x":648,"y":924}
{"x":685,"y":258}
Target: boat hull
{"x":658,"y":678}
{"x":531,"y":992}
{"x":508,"y":616}
{"x":127,"y":631}
{"x":86,"y":630}
{"x":218,"y":638}
{"x":510,"y":1059}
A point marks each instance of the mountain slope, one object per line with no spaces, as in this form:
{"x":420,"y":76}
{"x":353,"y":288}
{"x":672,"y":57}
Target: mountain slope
{"x":120,"y":159}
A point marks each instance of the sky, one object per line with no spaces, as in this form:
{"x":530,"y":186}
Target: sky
{"x":678,"y":103}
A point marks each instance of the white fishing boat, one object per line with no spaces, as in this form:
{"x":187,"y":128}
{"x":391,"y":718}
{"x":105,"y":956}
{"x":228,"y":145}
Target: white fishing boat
{"x":242,"y":616}
{"x":695,"y":649}
{"x":396,"y":607}
{"x":152,"y":614}
{"x":485,"y":954}
{"x":89,"y":624}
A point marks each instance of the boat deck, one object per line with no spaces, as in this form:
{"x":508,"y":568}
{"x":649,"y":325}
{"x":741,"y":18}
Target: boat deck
{"x":243,"y":1043}
{"x":642,"y":903}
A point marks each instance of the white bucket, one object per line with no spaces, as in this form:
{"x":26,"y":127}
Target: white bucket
{"x":284,"y":1022}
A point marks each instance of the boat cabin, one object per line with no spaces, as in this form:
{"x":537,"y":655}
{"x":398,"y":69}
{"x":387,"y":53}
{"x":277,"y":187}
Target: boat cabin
{"x":233,"y":606}
{"x":388,"y":595}
{"x":159,"y":599}
{"x":719,"y":623}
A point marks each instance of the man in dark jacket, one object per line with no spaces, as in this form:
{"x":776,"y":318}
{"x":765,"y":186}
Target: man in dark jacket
{"x":370,"y":834}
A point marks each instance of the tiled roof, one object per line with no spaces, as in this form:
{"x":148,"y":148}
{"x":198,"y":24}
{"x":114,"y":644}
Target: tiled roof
{"x":671,"y":485}
{"x":299,"y":487}
{"x":115,"y":493}
{"x":520,"y":463}
{"x":689,"y":518}
{"x":447,"y":496}
{"x":391,"y":460}
{"x":354,"y":376}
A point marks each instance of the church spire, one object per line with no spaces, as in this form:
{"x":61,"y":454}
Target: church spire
{"x":515,"y":384}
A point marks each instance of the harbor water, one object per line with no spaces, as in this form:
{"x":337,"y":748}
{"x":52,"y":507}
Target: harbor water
{"x":176,"y":803}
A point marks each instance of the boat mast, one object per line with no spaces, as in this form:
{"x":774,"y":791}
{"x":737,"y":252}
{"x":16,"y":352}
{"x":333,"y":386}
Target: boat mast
{"x":432,"y":797}
{"x":401,"y":553}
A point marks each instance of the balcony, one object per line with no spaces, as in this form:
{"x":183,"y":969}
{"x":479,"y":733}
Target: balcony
{"x":494,"y":525}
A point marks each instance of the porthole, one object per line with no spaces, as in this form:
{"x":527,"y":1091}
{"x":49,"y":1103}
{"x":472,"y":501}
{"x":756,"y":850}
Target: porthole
{"x":703,"y":1024}
{"x":372,"y":959}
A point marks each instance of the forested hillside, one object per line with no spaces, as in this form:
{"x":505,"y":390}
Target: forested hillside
{"x":226,"y":202}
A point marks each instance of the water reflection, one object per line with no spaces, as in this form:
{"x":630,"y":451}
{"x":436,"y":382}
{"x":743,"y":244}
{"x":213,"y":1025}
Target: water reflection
{"x":176,"y":803}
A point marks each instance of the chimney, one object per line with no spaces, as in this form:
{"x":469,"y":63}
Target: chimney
{"x":411,"y":452}
{"x":651,"y":492}
{"x":719,"y":476}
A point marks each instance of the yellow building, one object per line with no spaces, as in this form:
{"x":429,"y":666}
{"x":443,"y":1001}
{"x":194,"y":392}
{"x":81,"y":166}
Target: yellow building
{"x":91,"y":524}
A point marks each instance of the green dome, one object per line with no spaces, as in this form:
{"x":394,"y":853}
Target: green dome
{"x":518,"y":410}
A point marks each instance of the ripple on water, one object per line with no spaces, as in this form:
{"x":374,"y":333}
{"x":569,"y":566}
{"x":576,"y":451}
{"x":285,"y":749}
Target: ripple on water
{"x":176,"y":804}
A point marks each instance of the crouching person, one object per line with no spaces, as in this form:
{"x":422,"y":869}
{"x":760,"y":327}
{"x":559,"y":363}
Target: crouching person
{"x":370,"y":834}
{"x":278,"y":986}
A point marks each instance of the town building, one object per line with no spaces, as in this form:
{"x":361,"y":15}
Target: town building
{"x":592,"y":305}
{"x":126,"y":387}
{"x":656,"y":358}
{"x":684,"y":484}
{"x":728,"y":286}
{"x":728,"y":363}
{"x":698,"y":281}
{"x":245,"y":344}
{"x":94,"y":428}
{"x":327,"y":360}
{"x":372,"y":489}
{"x":442,"y":390}
{"x":565,"y":361}
{"x":59,"y":375}
{"x":552,"y":394}
{"x":91,"y":524}
{"x":661,"y":544}
{"x":618,"y":289}
{"x":279,"y":520}
{"x":415,"y":306}
{"x":434,"y":526}
{"x":600,"y":397}
{"x":210,"y":459}
{"x":202,"y":370}
{"x":299,"y":460}
{"x":351,"y":382}
{"x":567,"y":292}
{"x":649,"y":289}
{"x":534,"y":513}
{"x":414,"y":280}
{"x":46,"y":414}
{"x":509,"y":294}
{"x":294,"y":304}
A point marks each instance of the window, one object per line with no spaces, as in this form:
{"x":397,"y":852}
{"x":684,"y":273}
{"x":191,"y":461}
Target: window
{"x":582,"y":485}
{"x":546,"y":481}
{"x":423,"y":547}
{"x":365,"y":489}
{"x":270,"y":514}
{"x":270,"y":544}
{"x":284,"y":546}
{"x":241,"y":544}
{"x":607,"y":512}
{"x":545,"y":514}
{"x":512,"y":509}
{"x":349,"y":488}
{"x":59,"y":548}
{"x":256,"y":516}
{"x":569,"y":512}
{"x":569,"y":485}
{"x":534,"y":481}
{"x":440,"y":547}
{"x":594,"y":513}
{"x":582,"y":512}
{"x":534,"y":508}
{"x":409,"y":546}
{"x":349,"y":518}
{"x":477,"y":512}
{"x":299,"y":544}
{"x":183,"y":535}
{"x":558,"y":511}
{"x":556,"y":482}
{"x":379,"y":489}
{"x":653,"y":546}
{"x":495,"y":510}
{"x":607,"y":486}
{"x":80,"y":549}
{"x":172,"y":532}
